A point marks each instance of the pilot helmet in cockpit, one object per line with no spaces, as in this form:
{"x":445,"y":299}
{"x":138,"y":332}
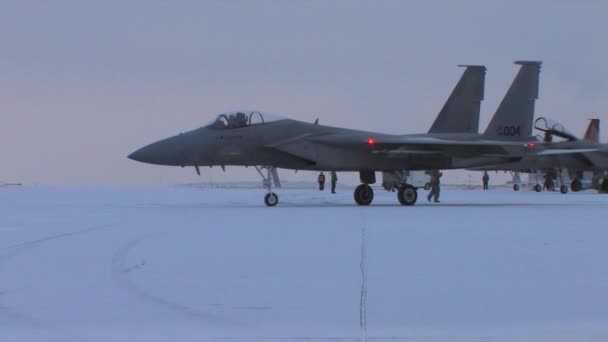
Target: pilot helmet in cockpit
{"x":241,"y":119}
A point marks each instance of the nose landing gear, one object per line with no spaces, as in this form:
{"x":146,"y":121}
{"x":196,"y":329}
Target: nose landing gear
{"x":270,"y":199}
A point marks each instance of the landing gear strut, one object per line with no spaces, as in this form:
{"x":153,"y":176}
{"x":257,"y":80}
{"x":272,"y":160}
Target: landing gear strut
{"x":271,"y":199}
{"x":563,"y":188}
{"x":516,"y":181}
{"x":549,"y":183}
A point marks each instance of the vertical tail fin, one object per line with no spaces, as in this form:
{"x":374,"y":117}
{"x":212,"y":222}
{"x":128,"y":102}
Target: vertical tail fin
{"x":592,"y":133}
{"x":513,"y":118}
{"x":460,"y":113}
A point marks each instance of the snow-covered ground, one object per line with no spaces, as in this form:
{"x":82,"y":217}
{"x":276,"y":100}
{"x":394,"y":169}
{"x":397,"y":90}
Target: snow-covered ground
{"x":192,"y":264}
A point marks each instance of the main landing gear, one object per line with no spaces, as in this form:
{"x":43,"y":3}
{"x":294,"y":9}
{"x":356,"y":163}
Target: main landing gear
{"x":407,"y":194}
{"x":553,"y":178}
{"x":364,"y":194}
{"x":271,"y":199}
{"x":516,"y":180}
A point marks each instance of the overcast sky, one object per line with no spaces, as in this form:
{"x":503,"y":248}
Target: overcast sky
{"x":84,"y":83}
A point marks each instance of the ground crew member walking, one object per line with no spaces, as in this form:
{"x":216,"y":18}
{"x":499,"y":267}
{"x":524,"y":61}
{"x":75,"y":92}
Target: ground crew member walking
{"x":435,"y":187}
{"x":321,"y":180}
{"x":604,"y":184}
{"x":334,"y":180}
{"x":485,"y":179}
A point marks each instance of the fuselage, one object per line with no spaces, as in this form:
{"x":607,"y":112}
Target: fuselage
{"x":292,"y":144}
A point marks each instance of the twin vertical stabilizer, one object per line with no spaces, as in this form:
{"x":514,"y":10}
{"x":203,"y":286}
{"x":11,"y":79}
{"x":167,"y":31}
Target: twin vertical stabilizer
{"x":460,"y":113}
{"x":513,"y":118}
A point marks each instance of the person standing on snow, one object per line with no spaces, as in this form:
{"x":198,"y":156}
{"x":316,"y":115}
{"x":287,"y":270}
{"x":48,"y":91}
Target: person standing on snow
{"x":334,"y":180}
{"x":321,"y":180}
{"x":435,"y":186}
{"x":485,"y":179}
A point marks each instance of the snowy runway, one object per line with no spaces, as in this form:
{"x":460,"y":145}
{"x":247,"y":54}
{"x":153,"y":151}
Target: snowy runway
{"x":141,"y":264}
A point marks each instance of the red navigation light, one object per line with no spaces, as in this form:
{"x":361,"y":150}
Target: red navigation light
{"x":371,"y":141}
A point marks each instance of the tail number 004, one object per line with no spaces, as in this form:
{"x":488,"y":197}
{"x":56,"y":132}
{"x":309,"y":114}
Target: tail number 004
{"x":509,"y":131}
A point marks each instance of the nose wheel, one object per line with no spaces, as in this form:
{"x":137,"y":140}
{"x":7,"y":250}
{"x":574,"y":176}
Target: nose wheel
{"x":271,"y":199}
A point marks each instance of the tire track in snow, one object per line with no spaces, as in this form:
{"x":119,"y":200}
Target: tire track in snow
{"x":9,"y":252}
{"x":363,"y":267}
{"x":12,"y":250}
{"x":120,"y":272}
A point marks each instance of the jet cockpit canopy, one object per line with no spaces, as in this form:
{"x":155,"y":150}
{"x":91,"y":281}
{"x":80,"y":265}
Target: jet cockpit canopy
{"x":240,"y":119}
{"x":553,"y":128}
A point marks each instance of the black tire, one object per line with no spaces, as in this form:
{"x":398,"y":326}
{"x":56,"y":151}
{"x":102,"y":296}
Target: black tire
{"x":427,"y":186}
{"x":563,"y":189}
{"x":515,"y":187}
{"x":576,"y":185}
{"x":364,"y":195}
{"x":538,"y":188}
{"x":271,"y":199}
{"x":407,"y":195}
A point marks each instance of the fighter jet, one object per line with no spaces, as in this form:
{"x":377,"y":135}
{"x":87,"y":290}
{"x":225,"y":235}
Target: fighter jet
{"x":253,"y":138}
{"x":570,"y":158}
{"x":578,"y":167}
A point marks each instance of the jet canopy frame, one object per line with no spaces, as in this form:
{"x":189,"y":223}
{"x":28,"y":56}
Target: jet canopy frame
{"x":553,"y":128}
{"x":240,"y":119}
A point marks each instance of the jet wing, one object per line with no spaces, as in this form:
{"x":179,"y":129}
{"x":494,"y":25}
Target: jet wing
{"x":307,"y":146}
{"x":563,"y":151}
{"x":583,"y":158}
{"x":392,"y":144}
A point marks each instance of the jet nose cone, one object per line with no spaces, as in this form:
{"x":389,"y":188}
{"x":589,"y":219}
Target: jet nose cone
{"x":171,"y":151}
{"x":147,"y":154}
{"x":139,"y":155}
